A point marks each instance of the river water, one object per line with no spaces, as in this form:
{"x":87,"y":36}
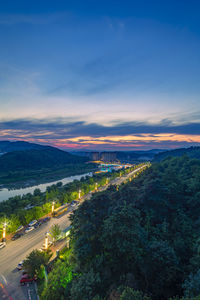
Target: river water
{"x":5,"y":193}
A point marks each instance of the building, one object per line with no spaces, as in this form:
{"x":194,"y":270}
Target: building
{"x":108,"y":156}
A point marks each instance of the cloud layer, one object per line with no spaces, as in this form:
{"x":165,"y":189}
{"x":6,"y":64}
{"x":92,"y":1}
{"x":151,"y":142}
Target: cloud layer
{"x":69,"y":134}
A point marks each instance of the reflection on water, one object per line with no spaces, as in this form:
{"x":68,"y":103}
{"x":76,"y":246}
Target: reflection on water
{"x":5,"y":194}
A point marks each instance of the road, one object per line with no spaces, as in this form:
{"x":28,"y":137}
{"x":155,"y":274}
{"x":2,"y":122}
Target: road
{"x":17,"y":250}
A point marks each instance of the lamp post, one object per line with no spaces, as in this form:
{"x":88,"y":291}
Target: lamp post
{"x":4,"y":231}
{"x":46,"y":241}
{"x":52,"y":208}
{"x":107,"y":180}
{"x":130,"y":179}
{"x":79,"y":194}
{"x":96,"y":186}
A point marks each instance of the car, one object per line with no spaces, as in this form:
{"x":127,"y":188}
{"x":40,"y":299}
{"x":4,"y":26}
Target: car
{"x":20,"y":265}
{"x":16,"y":236}
{"x":46,"y":219}
{"x":2,"y":245}
{"x":38,"y":224}
{"x":32,"y":223}
{"x":20,"y":228}
{"x":29,"y":229}
{"x":26,"y":279}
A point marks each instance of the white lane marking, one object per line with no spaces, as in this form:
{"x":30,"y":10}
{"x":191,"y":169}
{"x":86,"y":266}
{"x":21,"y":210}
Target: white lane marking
{"x":29,"y":294}
{"x":4,"y":279}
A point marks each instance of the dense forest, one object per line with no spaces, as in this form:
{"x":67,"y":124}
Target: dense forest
{"x":20,"y":210}
{"x":138,"y":243}
{"x":192,"y":152}
{"x":47,"y":162}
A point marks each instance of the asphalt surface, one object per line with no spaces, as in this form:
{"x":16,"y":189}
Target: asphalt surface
{"x":16,"y":251}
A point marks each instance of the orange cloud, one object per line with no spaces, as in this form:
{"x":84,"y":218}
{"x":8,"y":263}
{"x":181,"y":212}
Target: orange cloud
{"x":142,"y":137}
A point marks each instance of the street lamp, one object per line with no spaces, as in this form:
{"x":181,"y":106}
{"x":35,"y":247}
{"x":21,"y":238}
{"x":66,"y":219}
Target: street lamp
{"x":4,"y":231}
{"x":79,"y":194}
{"x":107,"y":180}
{"x":130,"y":179}
{"x":52,"y":208}
{"x":96,"y":186}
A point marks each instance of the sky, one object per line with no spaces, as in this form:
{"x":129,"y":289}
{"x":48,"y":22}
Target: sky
{"x":100,"y":75}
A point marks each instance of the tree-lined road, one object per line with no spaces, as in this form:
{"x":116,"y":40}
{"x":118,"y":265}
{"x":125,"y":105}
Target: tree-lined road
{"x":16,"y":251}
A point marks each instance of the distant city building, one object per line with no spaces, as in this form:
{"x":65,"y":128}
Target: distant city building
{"x":94,"y":156}
{"x":108,"y":156}
{"x":103,"y":156}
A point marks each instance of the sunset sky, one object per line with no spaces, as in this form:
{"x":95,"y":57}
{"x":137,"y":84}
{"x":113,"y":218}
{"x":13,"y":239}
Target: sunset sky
{"x":100,"y":74}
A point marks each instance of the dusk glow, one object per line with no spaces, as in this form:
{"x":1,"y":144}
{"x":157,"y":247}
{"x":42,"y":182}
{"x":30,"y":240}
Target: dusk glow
{"x":103,"y":75}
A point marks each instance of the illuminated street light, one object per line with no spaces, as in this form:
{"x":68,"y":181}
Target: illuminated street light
{"x":52,"y":208}
{"x":130,"y":179}
{"x":107,"y":180}
{"x":79,"y":194}
{"x":4,"y":230}
{"x":96,"y":186}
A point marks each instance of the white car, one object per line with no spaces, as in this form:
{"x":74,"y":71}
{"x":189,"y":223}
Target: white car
{"x":32,"y":223}
{"x":19,"y":228}
{"x":2,"y":245}
{"x":29,"y":229}
{"x":20,"y":265}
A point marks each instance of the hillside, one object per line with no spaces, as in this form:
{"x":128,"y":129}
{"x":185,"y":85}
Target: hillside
{"x":37,"y":159}
{"x":7,"y":146}
{"x":137,"y":156}
{"x":40,"y":164}
{"x":140,"y":240}
{"x":193,"y":152}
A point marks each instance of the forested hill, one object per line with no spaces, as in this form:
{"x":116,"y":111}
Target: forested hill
{"x":140,"y":240}
{"x":7,"y":146}
{"x":193,"y":152}
{"x":37,"y":159}
{"x":36,"y":165}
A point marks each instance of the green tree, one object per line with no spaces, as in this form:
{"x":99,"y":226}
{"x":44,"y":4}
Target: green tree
{"x":59,"y":280}
{"x":35,"y":260}
{"x":192,"y":285}
{"x":55,"y":232}
{"x":130,"y":294}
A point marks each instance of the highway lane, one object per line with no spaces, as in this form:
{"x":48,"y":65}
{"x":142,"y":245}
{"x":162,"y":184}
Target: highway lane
{"x":15,"y":251}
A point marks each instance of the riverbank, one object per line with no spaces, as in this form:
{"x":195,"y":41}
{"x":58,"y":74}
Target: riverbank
{"x":20,"y":210}
{"x":42,"y":177}
{"x":6,"y":193}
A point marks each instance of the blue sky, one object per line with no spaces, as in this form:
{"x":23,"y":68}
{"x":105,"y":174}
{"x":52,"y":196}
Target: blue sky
{"x":100,"y":74}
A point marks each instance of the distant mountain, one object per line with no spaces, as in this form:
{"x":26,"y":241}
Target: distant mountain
{"x":7,"y":146}
{"x":44,"y":163}
{"x":38,"y":159}
{"x":127,"y":156}
{"x":136,"y":156}
{"x":192,"y":152}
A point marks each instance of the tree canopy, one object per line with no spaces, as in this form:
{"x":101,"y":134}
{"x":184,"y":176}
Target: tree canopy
{"x":143,"y":238}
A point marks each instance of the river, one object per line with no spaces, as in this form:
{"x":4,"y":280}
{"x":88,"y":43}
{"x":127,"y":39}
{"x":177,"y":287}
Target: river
{"x":5,"y":193}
